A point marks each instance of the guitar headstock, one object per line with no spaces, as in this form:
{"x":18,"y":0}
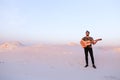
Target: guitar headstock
{"x":98,"y":39}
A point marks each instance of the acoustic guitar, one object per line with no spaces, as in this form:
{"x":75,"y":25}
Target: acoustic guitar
{"x":86,"y":43}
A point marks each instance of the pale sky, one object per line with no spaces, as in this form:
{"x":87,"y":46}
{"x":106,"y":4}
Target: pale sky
{"x":59,"y":21}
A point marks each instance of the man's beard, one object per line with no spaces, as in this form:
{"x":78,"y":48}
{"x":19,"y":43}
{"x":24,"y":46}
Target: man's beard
{"x":87,"y":35}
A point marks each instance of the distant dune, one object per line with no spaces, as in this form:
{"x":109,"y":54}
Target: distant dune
{"x":10,"y":45}
{"x":117,"y":49}
{"x":72,"y":44}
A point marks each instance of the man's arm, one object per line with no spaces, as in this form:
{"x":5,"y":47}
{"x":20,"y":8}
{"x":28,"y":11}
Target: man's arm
{"x":93,"y":41}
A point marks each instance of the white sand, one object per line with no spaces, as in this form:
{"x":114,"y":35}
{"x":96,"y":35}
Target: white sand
{"x":56,"y":62}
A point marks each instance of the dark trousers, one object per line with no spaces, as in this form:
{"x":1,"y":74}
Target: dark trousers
{"x":86,"y":50}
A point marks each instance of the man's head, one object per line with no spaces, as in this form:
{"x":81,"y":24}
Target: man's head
{"x":87,"y":33}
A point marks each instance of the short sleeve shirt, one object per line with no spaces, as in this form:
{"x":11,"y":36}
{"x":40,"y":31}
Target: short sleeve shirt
{"x":88,"y":39}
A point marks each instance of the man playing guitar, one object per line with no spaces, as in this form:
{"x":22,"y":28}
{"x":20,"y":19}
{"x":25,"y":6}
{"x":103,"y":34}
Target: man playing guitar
{"x":86,"y":43}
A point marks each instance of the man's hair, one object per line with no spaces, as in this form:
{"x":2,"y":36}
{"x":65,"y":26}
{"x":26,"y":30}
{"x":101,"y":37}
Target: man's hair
{"x":88,"y":31}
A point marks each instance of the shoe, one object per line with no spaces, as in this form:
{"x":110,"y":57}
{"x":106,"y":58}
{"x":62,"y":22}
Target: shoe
{"x":86,"y":66}
{"x":94,"y":66}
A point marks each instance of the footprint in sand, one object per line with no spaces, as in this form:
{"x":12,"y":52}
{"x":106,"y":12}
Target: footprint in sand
{"x":111,"y":78}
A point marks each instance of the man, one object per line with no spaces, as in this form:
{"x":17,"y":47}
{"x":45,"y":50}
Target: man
{"x":89,"y":49}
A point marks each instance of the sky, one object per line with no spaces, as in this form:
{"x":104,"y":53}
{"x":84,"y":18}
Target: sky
{"x":60,"y":21}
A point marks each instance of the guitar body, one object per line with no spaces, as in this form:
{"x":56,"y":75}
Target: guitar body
{"x":86,"y":43}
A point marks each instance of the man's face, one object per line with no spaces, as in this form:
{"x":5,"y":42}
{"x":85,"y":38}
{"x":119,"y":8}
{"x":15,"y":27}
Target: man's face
{"x":87,"y":33}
